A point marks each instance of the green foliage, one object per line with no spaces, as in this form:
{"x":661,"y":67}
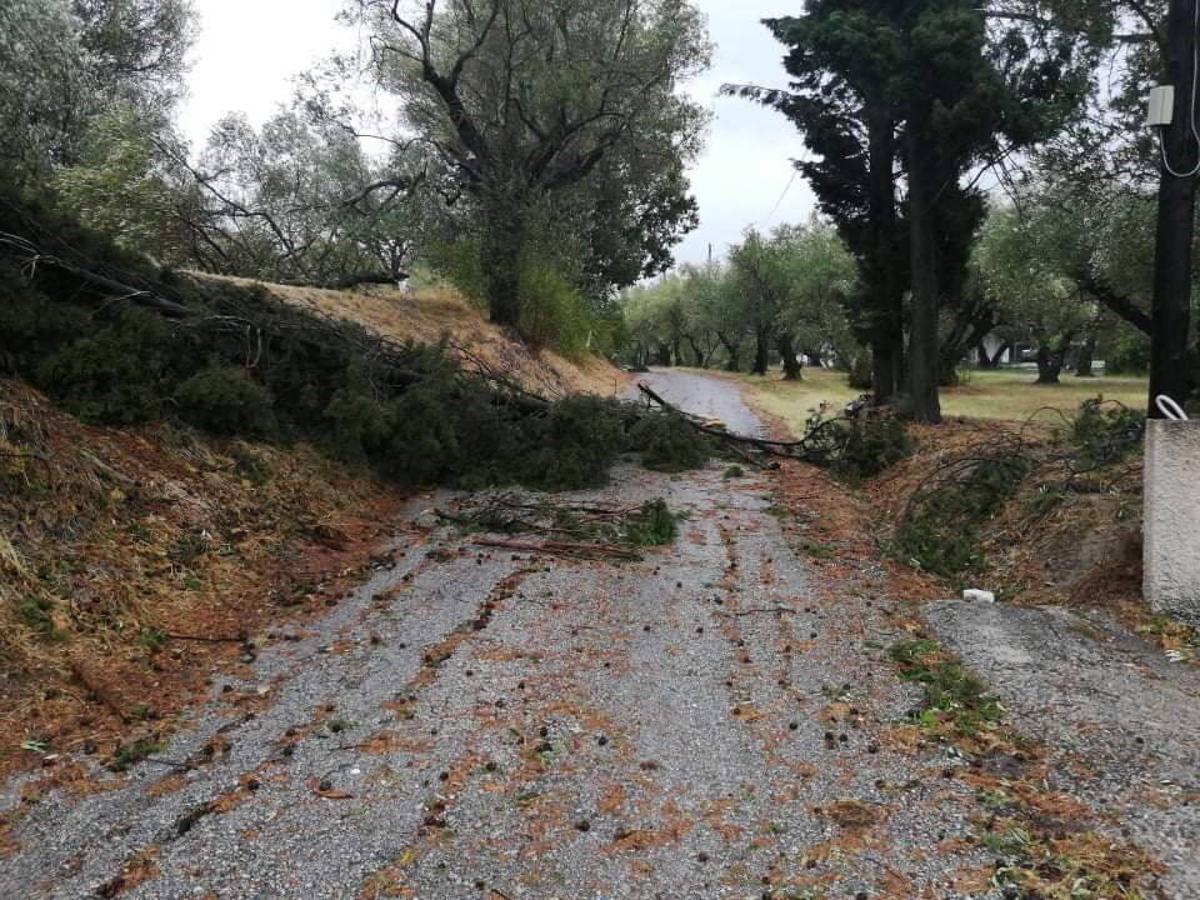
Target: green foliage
{"x":1128,"y":354}
{"x":952,"y":695}
{"x":129,"y":755}
{"x":249,"y":465}
{"x":654,"y":525}
{"x":855,"y":448}
{"x":578,"y":442}
{"x":153,"y":639}
{"x":582,"y":142}
{"x":31,"y":325}
{"x":325,"y":211}
{"x":940,"y":530}
{"x":872,"y":445}
{"x":553,"y":312}
{"x":115,"y":377}
{"x":121,"y":187}
{"x":791,"y":283}
{"x":411,"y":413}
{"x":359,"y":420}
{"x":457,"y":262}
{"x":1103,"y":433}
{"x":225,"y":399}
{"x":423,"y":443}
{"x":63,"y":63}
{"x":668,"y":443}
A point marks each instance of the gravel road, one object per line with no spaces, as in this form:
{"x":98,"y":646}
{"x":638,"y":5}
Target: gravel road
{"x":709,"y":722}
{"x":703,"y":395}
{"x":1088,"y":688}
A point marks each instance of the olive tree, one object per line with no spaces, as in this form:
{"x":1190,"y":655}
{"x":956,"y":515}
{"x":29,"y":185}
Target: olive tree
{"x":1023,"y":261}
{"x":63,"y":63}
{"x":526,"y":101}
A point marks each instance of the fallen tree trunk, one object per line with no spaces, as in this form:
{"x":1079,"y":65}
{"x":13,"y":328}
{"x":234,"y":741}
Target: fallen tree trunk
{"x":813,"y":447}
{"x":31,"y":257}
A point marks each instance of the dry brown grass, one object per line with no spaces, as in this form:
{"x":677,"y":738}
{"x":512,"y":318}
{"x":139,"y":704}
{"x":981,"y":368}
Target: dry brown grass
{"x":431,"y":315}
{"x":111,"y":538}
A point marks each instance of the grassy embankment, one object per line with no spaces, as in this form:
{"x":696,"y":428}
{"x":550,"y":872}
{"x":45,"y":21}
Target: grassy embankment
{"x":1007,"y":394}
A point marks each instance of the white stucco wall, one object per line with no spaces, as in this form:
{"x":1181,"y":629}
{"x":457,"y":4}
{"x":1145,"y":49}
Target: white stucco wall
{"x":1172,"y":522}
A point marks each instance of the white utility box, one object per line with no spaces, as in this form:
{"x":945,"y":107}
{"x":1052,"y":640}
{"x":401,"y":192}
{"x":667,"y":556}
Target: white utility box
{"x":1161,"y":108}
{"x":1171,"y":556}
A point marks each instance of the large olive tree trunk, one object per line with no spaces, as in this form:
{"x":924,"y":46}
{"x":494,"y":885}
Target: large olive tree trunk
{"x":791,"y":364}
{"x":500,"y":262}
{"x":1050,"y":359}
{"x":762,"y":359}
{"x":732,"y":350}
{"x":1083,"y":363}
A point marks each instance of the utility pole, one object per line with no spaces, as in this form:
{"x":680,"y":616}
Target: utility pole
{"x":1171,"y":306}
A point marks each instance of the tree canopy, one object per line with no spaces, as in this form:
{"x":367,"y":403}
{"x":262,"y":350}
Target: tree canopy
{"x":552,"y":113}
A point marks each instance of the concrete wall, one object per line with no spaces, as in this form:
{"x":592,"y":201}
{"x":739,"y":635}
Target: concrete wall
{"x":1172,"y":524}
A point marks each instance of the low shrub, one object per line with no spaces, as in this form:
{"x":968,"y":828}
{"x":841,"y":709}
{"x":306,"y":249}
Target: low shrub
{"x":653,"y":526}
{"x":1128,"y":354}
{"x":553,"y":312}
{"x":113,"y":377}
{"x":225,"y":399}
{"x":37,"y":614}
{"x":1104,"y":433}
{"x":458,"y":263}
{"x":249,"y":464}
{"x":940,"y":532}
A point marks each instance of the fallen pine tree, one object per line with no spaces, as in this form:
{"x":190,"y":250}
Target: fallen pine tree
{"x":856,"y":443}
{"x":118,"y":341}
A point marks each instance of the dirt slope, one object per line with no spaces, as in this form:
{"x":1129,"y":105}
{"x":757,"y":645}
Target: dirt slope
{"x":113,"y":540}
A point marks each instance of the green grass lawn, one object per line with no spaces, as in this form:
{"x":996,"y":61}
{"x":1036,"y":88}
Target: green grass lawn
{"x":1004,"y":394}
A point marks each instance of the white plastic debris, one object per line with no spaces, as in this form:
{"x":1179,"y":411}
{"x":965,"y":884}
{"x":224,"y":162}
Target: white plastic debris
{"x":977,"y":594}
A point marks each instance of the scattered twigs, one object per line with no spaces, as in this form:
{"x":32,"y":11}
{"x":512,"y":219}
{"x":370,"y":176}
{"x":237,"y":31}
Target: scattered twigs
{"x":176,"y":764}
{"x":773,"y":610}
{"x":501,"y":523}
{"x":822,"y":443}
{"x":205,"y":639}
{"x":563,"y":548}
{"x":594,"y":524}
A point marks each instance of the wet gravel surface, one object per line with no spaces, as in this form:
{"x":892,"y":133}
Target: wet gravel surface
{"x":710,"y":722}
{"x":1123,"y":721}
{"x":473,"y":721}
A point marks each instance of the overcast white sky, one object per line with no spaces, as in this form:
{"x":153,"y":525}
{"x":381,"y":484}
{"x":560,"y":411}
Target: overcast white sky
{"x":248,"y":51}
